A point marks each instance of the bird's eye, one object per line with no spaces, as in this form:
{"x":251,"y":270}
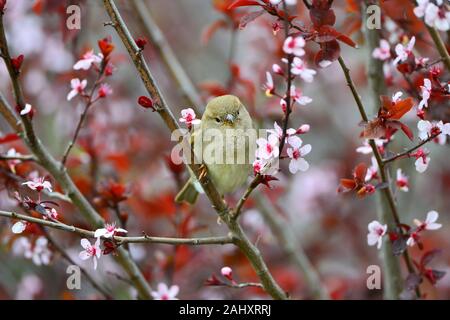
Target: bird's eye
{"x":217,"y":120}
{"x":237,"y":112}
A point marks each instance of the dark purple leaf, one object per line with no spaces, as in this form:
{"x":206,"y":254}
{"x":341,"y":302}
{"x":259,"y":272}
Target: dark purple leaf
{"x":412,"y":281}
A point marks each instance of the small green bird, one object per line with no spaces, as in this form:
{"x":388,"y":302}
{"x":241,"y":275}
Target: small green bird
{"x":230,"y":124}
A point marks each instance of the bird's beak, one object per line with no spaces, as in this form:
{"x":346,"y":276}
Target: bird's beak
{"x":230,"y":118}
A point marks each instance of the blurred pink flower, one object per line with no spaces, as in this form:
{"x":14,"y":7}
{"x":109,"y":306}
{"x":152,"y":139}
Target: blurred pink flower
{"x":165,"y":293}
{"x":383,"y":52}
{"x":403,"y":52}
{"x":294,"y":46}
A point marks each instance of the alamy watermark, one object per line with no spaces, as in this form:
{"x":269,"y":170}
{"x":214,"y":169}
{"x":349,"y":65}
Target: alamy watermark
{"x":373,"y":281}
{"x":73,"y":281}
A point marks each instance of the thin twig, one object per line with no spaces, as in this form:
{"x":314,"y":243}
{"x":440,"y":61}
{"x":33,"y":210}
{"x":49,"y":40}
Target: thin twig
{"x":60,"y":174}
{"x":407,"y":152}
{"x":89,"y":103}
{"x":288,"y":242}
{"x":66,"y":257}
{"x":381,"y":167}
{"x":119,"y":239}
{"x":23,"y":158}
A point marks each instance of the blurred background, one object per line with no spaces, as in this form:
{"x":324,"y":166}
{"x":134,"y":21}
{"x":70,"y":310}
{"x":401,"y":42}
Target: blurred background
{"x":125,"y":146}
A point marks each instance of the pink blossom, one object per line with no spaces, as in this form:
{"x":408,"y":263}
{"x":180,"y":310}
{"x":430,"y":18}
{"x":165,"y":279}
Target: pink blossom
{"x":299,"y":67}
{"x":298,"y":97}
{"x":422,"y":160}
{"x":376,"y":233}
{"x":38,"y":252}
{"x":108,"y":231}
{"x":402,"y":181}
{"x":396,"y":96}
{"x":104,"y":90}
{"x":404,"y":52}
{"x":426,"y":93}
{"x":51,"y":214}
{"x":288,"y":2}
{"x":372,"y":171}
{"x":304,"y":128}
{"x":188,"y":116}
{"x":367,"y":149}
{"x":87,"y":60}
{"x":90,"y":251}
{"x":435,"y":16}
{"x":265,"y":166}
{"x":428,"y":224}
{"x":19,"y":227}
{"x":296,"y":154}
{"x":26,"y":110}
{"x":428,"y":129}
{"x":227,"y":272}
{"x":430,"y":221}
{"x":165,"y":293}
{"x":325,"y":63}
{"x":383,"y":52}
{"x":268,"y":86}
{"x":39,"y":184}
{"x":77,"y":88}
{"x":294,"y":46}
{"x":277,"y":69}
{"x":267,"y":148}
{"x":278,"y":131}
{"x":12,"y":163}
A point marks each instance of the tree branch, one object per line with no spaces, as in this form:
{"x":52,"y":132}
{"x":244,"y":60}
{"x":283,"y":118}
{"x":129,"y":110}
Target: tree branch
{"x":440,"y":46}
{"x":289,"y":244}
{"x":83,"y":116}
{"x":119,"y":239}
{"x":66,"y":257}
{"x":170,"y":59}
{"x":241,"y":240}
{"x":9,"y":115}
{"x":392,"y":281}
{"x":381,"y":167}
{"x":60,"y":174}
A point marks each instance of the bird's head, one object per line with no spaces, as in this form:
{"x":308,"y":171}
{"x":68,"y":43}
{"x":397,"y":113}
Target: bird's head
{"x":224,"y":111}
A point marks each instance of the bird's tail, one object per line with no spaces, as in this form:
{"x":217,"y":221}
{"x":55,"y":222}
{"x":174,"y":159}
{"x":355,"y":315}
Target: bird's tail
{"x":188,"y":193}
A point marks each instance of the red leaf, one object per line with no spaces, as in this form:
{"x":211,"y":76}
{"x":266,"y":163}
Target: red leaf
{"x":213,"y":88}
{"x":320,"y":17}
{"x":401,"y":107}
{"x":330,"y":51}
{"x":9,"y":138}
{"x":243,"y":3}
{"x":360,"y":172}
{"x":348,"y":183}
{"x":343,"y":38}
{"x":407,"y":131}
